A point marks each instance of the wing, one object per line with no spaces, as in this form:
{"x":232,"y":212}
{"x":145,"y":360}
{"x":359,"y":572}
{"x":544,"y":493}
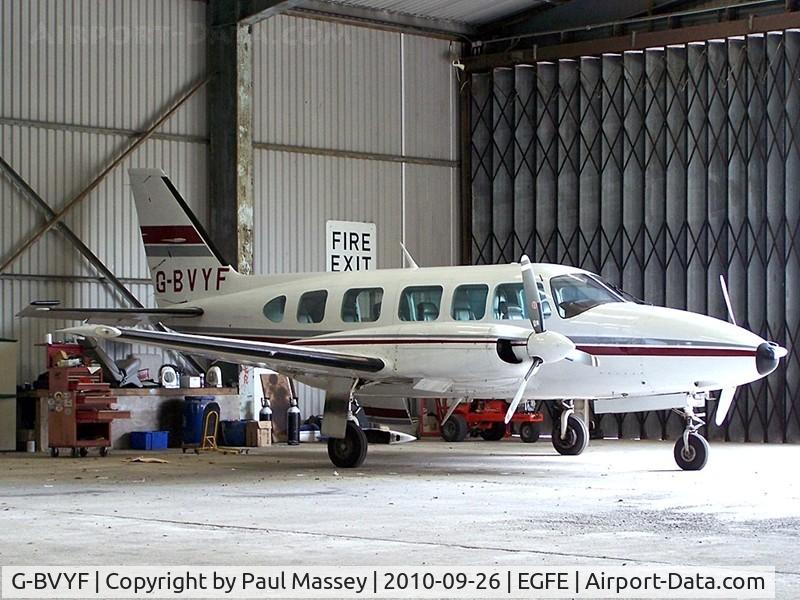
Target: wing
{"x":288,"y":359}
{"x":51,"y":309}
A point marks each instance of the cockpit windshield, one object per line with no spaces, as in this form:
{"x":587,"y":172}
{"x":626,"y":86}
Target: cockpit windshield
{"x":578,"y":292}
{"x":625,"y":295}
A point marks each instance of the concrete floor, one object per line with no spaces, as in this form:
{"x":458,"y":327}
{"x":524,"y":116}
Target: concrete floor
{"x":430,"y":502}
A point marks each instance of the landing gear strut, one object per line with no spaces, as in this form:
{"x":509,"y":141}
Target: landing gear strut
{"x":570,"y":434}
{"x":691,"y":449}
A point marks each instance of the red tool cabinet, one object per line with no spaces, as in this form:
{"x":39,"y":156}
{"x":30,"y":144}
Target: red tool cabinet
{"x":80,"y":411}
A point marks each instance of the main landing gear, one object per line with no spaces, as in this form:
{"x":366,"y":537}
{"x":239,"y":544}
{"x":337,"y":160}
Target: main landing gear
{"x":691,"y":449}
{"x":570,"y":434}
{"x":350,"y":451}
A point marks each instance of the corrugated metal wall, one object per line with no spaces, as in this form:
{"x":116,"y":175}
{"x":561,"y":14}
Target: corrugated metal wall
{"x":78,"y":77}
{"x":661,"y":170}
{"x":352,"y":124}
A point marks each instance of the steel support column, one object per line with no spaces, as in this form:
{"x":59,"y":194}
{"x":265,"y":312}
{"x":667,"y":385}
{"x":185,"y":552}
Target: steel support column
{"x":230,"y":129}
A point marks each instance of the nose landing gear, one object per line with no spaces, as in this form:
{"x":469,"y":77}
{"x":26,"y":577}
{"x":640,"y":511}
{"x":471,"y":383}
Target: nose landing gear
{"x":570,"y":434}
{"x":691,"y":449}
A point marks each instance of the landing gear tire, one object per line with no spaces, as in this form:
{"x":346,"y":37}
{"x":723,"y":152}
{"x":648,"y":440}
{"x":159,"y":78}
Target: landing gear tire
{"x":575,"y":440}
{"x":83,"y":452}
{"x":350,"y":451}
{"x":54,"y":452}
{"x":529,"y":432}
{"x":104,"y":451}
{"x":694,"y":455}
{"x":495,"y":433}
{"x":455,"y":429}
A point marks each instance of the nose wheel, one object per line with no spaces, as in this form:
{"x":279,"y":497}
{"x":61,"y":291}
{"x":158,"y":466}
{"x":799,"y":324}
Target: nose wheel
{"x":691,"y":449}
{"x":693,"y":455}
{"x":570,"y":434}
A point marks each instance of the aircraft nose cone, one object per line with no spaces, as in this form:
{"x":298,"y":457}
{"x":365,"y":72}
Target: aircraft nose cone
{"x":767,"y":358}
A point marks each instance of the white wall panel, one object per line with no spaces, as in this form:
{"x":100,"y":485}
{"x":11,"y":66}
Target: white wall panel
{"x":429,"y":98}
{"x":298,"y":193}
{"x":431,"y":214}
{"x":326,"y":85}
{"x":103,"y":63}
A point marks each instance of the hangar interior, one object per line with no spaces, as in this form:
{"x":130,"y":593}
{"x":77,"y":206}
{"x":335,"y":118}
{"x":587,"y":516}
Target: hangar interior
{"x":651,"y":144}
{"x":651,"y":141}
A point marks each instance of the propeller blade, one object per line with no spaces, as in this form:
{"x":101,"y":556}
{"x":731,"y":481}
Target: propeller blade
{"x":512,"y":408}
{"x":724,"y":406}
{"x":532,"y":299}
{"x":584,"y":358}
{"x":731,"y":316}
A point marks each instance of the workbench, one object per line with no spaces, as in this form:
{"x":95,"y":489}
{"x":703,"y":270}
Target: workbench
{"x":151,"y":409}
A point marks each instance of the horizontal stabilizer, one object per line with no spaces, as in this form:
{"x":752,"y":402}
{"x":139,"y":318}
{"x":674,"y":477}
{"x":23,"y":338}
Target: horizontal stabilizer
{"x":51,"y":309}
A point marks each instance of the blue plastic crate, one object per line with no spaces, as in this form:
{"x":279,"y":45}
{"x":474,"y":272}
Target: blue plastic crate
{"x":149,"y":440}
{"x":160,"y":440}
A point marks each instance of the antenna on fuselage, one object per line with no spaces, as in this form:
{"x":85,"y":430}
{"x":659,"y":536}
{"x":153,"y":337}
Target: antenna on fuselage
{"x":412,"y":264}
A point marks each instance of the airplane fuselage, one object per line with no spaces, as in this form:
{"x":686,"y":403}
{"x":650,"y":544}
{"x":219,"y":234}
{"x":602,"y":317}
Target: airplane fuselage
{"x":463,"y":331}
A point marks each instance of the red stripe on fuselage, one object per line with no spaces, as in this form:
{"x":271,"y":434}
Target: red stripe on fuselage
{"x":680,"y":351}
{"x":170,"y":234}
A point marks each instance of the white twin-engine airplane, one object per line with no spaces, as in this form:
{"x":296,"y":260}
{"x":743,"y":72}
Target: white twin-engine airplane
{"x":517,"y":332}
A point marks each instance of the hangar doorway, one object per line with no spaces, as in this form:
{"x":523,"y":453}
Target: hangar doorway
{"x":661,"y":169}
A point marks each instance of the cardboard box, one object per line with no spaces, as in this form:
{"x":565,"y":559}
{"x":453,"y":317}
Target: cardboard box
{"x":258,"y":434}
{"x":190,"y":381}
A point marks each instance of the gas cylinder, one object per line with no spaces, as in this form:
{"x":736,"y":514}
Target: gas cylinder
{"x":293,"y":423}
{"x":266,"y":410}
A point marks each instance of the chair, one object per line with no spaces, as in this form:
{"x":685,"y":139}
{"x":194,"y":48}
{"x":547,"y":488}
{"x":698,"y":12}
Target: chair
{"x":515,"y":313}
{"x":462,"y":311}
{"x":427,"y":311}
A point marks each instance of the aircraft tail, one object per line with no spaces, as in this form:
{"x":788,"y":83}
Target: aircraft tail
{"x":184,"y":265}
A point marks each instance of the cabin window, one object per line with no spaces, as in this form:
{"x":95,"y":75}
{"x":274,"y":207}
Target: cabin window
{"x":362,"y":305}
{"x":469,"y":302}
{"x":420,"y":303}
{"x":578,"y":292}
{"x":509,"y":302}
{"x":274,"y":309}
{"x":311,"y":308}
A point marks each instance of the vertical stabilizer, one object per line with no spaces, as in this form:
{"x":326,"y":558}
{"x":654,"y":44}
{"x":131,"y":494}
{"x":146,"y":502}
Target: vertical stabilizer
{"x":184,"y":265}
